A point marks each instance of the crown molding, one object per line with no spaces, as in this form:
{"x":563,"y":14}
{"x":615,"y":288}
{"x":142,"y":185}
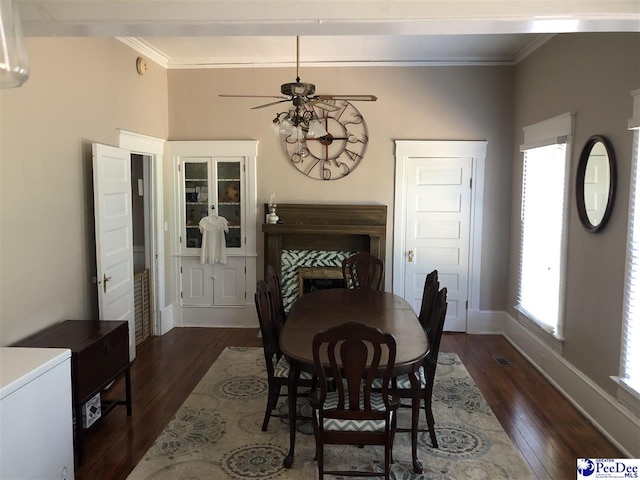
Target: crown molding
{"x":146,"y":50}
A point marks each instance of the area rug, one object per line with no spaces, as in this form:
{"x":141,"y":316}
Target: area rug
{"x":216,"y":434}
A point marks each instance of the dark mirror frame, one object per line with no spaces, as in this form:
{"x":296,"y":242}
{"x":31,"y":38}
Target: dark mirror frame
{"x":582,"y":167}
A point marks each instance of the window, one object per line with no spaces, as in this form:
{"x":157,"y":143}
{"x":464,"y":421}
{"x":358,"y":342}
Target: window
{"x":542,"y":222}
{"x":630,"y":348}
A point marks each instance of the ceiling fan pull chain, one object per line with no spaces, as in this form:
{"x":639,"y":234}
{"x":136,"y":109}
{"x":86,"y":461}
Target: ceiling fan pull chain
{"x":297,"y":58}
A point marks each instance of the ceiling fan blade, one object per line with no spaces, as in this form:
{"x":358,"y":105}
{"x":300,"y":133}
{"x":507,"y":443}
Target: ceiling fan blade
{"x":270,"y":104}
{"x":324,"y":106}
{"x":252,"y":96}
{"x":349,"y":98}
{"x":303,"y":93}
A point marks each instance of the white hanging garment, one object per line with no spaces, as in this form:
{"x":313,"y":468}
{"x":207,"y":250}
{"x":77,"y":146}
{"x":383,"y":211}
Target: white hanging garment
{"x":214,"y":246}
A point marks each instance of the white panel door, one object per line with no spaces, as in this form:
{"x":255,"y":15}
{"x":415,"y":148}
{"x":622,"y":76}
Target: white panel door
{"x":438,"y":214}
{"x":229,"y":282}
{"x":208,"y":285}
{"x":197,"y":282}
{"x":114,"y":236}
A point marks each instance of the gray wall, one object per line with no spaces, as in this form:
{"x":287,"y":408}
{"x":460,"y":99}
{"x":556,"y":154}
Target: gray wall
{"x":80,"y":91}
{"x":415,"y":103}
{"x":592,"y":76}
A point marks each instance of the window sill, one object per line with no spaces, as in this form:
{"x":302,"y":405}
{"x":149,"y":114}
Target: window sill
{"x":627,"y":396}
{"x":540,"y":330}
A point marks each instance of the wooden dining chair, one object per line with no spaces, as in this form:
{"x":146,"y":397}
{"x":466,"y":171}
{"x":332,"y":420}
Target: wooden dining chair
{"x":363,"y":270}
{"x":427,"y":371}
{"x":429,"y":292}
{"x":273,"y":282}
{"x":353,"y":414}
{"x":276,"y":362}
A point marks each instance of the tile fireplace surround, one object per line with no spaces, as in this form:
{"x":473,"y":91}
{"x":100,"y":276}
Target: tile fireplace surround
{"x":294,"y":260}
{"x":317,"y":235}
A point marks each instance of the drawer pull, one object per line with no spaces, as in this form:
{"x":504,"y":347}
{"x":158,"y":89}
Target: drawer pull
{"x":106,"y":348}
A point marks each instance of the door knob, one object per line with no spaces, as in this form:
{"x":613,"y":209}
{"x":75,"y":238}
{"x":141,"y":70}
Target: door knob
{"x":410,"y":256}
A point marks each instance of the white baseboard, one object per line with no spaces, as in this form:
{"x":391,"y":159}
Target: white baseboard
{"x":485,"y":322}
{"x":228,"y":317}
{"x":612,"y":418}
{"x":167,"y":319}
{"x":175,"y":315}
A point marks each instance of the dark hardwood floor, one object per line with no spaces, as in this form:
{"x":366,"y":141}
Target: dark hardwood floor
{"x":547,"y":430}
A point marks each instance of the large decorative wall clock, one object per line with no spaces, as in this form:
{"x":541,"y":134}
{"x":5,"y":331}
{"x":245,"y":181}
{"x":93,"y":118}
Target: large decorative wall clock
{"x":336,"y":154}
{"x":326,"y":153}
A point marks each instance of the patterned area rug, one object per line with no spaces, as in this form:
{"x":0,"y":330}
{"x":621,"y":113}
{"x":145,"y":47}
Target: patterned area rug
{"x":216,"y":433}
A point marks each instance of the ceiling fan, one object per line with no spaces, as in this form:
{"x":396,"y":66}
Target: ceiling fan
{"x":303,"y":97}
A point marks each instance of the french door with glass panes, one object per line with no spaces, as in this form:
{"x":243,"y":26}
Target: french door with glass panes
{"x":211,"y":186}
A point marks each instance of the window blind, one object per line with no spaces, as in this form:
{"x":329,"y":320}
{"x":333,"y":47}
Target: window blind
{"x":630,"y":348}
{"x":541,"y":234}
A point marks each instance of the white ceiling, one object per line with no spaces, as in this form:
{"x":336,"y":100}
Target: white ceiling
{"x":256,"y":33}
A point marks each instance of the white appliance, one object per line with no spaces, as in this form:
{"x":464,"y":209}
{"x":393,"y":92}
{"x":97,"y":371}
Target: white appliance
{"x":36,"y":424}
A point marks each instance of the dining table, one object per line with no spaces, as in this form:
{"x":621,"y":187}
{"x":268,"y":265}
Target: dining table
{"x":320,"y":310}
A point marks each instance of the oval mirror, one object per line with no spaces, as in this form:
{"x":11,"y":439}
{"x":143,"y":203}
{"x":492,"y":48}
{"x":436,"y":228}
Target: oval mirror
{"x":596,"y":183}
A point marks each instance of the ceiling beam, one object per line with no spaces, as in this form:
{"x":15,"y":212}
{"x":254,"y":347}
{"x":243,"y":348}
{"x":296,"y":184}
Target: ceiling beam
{"x":324,"y":17}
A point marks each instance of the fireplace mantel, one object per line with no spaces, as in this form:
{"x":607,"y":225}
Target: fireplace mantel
{"x":360,"y":228}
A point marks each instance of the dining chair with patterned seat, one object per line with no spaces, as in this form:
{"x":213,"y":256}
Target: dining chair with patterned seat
{"x":363,"y":270}
{"x":353,"y":414}
{"x":427,"y":372}
{"x":276,"y":363}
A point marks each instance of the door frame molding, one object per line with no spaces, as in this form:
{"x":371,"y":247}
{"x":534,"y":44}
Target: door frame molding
{"x":405,"y":149}
{"x":153,"y":147}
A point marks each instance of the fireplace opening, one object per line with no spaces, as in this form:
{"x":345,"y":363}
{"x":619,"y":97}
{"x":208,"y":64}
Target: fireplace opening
{"x":319,"y":278}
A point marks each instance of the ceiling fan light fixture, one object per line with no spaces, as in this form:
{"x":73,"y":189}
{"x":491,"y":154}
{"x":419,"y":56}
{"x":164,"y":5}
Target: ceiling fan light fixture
{"x":286,"y":127}
{"x":316,"y":129}
{"x":302,"y":121}
{"x":276,"y":126}
{"x":14,"y":62}
{"x":299,"y":123}
{"x":277,"y":122}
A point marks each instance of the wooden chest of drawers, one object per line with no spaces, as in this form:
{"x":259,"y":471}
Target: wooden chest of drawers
{"x":99,"y":355}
